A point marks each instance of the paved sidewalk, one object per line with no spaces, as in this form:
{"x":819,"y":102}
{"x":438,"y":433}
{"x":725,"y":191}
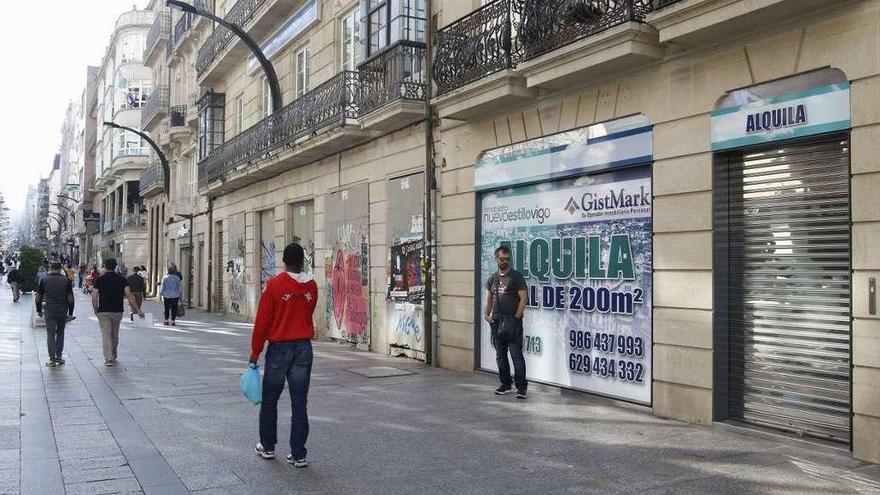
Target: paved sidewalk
{"x":171,"y":419}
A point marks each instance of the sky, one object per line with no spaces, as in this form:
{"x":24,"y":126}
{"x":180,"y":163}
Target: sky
{"x":45,"y":48}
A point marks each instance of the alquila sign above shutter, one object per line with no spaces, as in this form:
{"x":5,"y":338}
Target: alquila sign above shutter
{"x":815,"y":111}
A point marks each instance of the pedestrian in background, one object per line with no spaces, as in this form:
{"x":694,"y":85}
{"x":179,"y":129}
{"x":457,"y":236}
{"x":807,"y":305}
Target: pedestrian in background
{"x":81,"y":276}
{"x":138,"y":286}
{"x":170,"y":290}
{"x":108,"y":293}
{"x":505,"y":305}
{"x":56,"y":290}
{"x":284,"y":318}
{"x":14,"y":279}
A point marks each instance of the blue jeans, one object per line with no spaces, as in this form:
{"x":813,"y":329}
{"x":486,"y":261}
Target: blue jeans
{"x":291,"y":361}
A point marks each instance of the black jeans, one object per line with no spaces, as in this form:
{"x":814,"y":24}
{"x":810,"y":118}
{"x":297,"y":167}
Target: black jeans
{"x":55,"y":324}
{"x":171,"y":307}
{"x":513,"y":345}
{"x":290,"y":361}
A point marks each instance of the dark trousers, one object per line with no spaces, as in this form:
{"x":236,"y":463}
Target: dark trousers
{"x":55,"y":324}
{"x":291,"y":361}
{"x":171,"y":307}
{"x":513,"y":345}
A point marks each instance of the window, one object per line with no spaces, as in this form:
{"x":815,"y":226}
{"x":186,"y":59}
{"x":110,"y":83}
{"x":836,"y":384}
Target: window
{"x":377,"y":25}
{"x":267,"y":98}
{"x":301,"y":69}
{"x":212,"y":112}
{"x":351,"y":34}
{"x":390,"y":21}
{"x":239,"y":114}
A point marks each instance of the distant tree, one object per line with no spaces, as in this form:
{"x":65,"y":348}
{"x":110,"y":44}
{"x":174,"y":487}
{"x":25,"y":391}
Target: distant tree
{"x":31,"y":259}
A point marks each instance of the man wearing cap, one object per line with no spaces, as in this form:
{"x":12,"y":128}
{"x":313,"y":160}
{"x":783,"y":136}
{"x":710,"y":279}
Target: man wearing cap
{"x":56,"y":291}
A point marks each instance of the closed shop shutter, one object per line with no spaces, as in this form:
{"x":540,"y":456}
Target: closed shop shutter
{"x":788,"y":285}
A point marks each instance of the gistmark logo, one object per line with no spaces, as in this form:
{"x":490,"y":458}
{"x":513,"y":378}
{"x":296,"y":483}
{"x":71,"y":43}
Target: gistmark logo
{"x":572,"y":206}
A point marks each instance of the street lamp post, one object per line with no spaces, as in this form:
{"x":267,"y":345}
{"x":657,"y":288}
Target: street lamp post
{"x":268,"y":68}
{"x":166,"y":172}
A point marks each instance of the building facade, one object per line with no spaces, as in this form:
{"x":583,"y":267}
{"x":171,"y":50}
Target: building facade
{"x":686,"y":184}
{"x":124,"y":85}
{"x":87,"y":222}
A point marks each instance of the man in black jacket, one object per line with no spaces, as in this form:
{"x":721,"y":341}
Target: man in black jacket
{"x":56,"y":290}
{"x":14,"y":278}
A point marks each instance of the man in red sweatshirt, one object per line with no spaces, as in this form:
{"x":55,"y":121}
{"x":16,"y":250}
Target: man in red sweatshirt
{"x":284,"y":318}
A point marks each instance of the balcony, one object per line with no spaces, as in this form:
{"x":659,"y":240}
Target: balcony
{"x":260,"y":18}
{"x":242,"y":13}
{"x":152,"y":181}
{"x":703,"y":22}
{"x":474,"y":62}
{"x":319,"y":123}
{"x":181,"y":27}
{"x":131,"y":222}
{"x":155,"y":107}
{"x":133,"y":158}
{"x":178,"y":125}
{"x":159,"y":32}
{"x":392,"y":87}
{"x":504,"y":52}
{"x":135,"y":18}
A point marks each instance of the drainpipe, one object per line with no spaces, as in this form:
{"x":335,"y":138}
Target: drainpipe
{"x":210,"y":252}
{"x":430,"y":187}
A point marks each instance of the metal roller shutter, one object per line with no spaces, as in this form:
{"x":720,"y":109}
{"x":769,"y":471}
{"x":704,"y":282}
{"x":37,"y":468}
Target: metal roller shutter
{"x":788,"y":288}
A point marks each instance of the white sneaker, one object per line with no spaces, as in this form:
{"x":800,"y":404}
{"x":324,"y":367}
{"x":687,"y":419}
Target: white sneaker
{"x":300,"y":463}
{"x":263,"y":452}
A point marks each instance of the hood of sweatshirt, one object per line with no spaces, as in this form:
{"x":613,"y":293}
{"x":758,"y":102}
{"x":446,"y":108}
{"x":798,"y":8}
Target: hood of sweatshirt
{"x":296,"y":282}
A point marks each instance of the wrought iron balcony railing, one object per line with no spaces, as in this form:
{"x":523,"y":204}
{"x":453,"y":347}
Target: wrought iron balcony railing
{"x":180,"y":28}
{"x":156,"y":105}
{"x":473,"y":47}
{"x":664,"y":3}
{"x":332,"y":101}
{"x":504,"y":32}
{"x":397,"y":73}
{"x":158,"y":31}
{"x":152,"y":177}
{"x":242,"y":13}
{"x":543,"y":26}
{"x":177,"y":116}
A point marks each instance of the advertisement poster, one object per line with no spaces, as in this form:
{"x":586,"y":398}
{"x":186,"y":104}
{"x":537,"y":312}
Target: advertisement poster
{"x":407,"y":271}
{"x":584,"y":246}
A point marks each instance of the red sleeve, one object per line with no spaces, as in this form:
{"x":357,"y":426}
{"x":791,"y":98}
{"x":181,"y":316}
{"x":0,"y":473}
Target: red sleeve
{"x":313,"y":302}
{"x":263,"y":321}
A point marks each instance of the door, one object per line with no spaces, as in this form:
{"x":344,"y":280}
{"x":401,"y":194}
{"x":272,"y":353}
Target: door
{"x":347,"y":264}
{"x":267,"y":247}
{"x":186,"y":269}
{"x":301,"y":229}
{"x":783,"y":285}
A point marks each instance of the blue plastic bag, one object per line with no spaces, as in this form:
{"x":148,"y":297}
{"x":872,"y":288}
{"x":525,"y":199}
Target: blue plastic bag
{"x":251,"y":385}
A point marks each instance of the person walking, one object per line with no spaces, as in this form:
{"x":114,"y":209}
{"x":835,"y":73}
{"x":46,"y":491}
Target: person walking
{"x":138,"y":286}
{"x":108,"y":293}
{"x":170,"y":290}
{"x":81,"y":276}
{"x":14,"y":279}
{"x":57,"y":293}
{"x":505,"y":306}
{"x":70,"y":272}
{"x":284,"y":318}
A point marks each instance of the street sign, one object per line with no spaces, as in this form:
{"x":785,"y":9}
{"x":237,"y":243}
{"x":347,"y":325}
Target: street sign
{"x":91,"y":216}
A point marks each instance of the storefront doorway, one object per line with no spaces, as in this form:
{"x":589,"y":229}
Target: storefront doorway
{"x":782,"y":259}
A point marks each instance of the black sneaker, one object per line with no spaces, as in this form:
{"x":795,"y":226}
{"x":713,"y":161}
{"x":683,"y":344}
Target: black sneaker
{"x":59,"y":361}
{"x":503,"y":390}
{"x":264,"y":452}
{"x":521,"y":394}
{"x":51,"y":363}
{"x":300,"y":463}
